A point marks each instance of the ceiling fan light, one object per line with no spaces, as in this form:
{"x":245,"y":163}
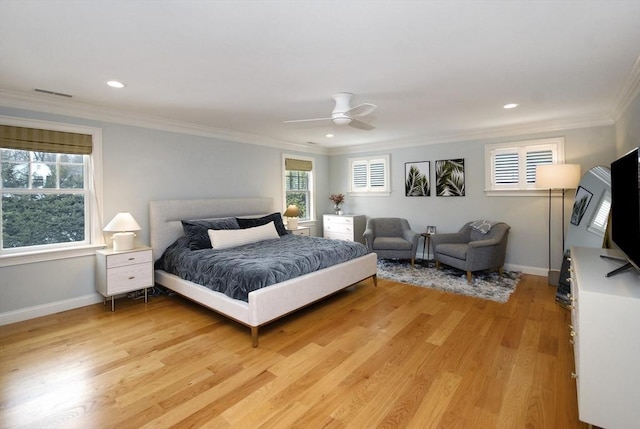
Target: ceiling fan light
{"x":341,"y":121}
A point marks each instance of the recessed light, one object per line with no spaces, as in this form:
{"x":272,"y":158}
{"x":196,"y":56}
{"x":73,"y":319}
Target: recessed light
{"x":329,"y":135}
{"x":115,"y":84}
{"x":510,"y":106}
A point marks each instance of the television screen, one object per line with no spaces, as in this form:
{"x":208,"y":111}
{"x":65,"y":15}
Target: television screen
{"x":625,"y":205}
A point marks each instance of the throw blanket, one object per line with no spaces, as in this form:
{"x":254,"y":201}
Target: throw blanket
{"x":240,"y":270}
{"x":483,"y":226}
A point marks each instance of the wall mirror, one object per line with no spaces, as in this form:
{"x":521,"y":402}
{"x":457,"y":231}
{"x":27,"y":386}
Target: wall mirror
{"x":588,"y":221}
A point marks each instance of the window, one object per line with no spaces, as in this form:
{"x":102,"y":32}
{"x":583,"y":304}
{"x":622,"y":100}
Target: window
{"x":369,"y":175}
{"x":298,"y":185}
{"x":48,"y":187}
{"x":512,"y":166}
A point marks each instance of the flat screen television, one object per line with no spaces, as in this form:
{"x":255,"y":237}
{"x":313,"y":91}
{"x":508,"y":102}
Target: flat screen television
{"x":625,"y":208}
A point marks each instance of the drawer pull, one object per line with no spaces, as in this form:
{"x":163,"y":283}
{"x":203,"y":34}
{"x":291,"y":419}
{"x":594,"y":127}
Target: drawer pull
{"x":132,"y":277}
{"x":132,"y":259}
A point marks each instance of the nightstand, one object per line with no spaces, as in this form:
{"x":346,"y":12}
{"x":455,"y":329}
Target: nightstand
{"x":118,"y":272}
{"x":301,"y":230}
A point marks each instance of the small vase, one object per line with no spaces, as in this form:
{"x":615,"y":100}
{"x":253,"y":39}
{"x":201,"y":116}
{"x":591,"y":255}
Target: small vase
{"x":336,"y":209}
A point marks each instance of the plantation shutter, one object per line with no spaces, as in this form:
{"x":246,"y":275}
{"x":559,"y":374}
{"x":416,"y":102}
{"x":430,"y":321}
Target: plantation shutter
{"x":377,"y":174}
{"x":39,"y":140}
{"x":539,"y":157}
{"x":291,"y":164}
{"x":359,"y":174}
{"x":506,"y":168}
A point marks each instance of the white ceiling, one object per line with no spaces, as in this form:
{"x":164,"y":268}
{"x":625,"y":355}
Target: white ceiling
{"x":438,"y":70}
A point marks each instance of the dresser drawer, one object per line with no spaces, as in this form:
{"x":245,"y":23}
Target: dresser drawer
{"x":125,"y":259}
{"x":128,"y":278}
{"x":346,"y":228}
{"x":338,"y":220}
{"x":338,"y":235}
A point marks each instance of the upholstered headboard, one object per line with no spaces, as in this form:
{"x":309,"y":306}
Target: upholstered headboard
{"x":165,"y":216}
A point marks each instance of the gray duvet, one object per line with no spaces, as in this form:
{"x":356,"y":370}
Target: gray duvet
{"x":240,"y":270}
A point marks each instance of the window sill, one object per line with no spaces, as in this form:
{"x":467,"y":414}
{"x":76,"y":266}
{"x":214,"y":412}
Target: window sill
{"x":522,"y":192}
{"x":48,"y":255}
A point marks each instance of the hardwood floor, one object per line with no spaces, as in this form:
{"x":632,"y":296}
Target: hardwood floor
{"x":395,"y":356}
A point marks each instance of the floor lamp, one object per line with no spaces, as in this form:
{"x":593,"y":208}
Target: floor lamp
{"x":557,"y":176}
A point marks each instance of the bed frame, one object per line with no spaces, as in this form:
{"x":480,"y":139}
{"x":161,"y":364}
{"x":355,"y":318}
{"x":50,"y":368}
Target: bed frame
{"x":267,"y":304}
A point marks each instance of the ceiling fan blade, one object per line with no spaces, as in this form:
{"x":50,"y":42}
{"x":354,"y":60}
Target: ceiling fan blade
{"x":361,"y":110}
{"x":307,"y":120}
{"x":355,"y":123}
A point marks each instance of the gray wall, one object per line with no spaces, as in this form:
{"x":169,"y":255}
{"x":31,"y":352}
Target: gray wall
{"x":141,"y":165}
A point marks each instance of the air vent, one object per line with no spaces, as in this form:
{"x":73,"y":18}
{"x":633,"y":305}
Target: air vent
{"x":45,"y":91}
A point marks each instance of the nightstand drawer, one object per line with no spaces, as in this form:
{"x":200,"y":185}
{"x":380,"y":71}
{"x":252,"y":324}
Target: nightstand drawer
{"x":131,"y":258}
{"x":300,"y":231}
{"x":125,"y":279}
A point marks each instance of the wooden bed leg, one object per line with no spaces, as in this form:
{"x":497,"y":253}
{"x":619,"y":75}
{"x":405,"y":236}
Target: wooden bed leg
{"x":375,"y":280}
{"x":254,"y":336}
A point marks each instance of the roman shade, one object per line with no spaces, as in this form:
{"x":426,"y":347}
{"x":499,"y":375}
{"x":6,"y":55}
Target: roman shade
{"x":291,"y":164}
{"x":39,"y":140}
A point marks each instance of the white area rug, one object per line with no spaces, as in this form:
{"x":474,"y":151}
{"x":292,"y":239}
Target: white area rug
{"x":486,"y":284}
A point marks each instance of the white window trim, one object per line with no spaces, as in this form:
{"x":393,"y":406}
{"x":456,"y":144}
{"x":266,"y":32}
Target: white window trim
{"x":519,"y":190}
{"x":95,"y":189}
{"x":385,"y":191}
{"x":312,"y":189}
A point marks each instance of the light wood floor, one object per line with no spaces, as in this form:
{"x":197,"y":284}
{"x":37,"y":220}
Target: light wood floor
{"x":395,"y":356}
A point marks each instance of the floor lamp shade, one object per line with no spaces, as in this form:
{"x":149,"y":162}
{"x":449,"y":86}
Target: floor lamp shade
{"x":558,"y":176}
{"x":123,"y":225}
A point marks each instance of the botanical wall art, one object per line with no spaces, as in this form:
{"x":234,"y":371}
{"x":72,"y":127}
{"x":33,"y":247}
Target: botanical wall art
{"x":450,"y":178}
{"x":583,"y":197}
{"x":416,"y":182}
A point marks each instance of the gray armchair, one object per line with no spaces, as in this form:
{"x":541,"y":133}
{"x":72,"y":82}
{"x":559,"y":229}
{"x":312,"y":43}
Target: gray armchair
{"x":391,"y":238}
{"x":472,"y":250}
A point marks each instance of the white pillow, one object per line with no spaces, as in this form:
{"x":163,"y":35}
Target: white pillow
{"x":226,"y":238}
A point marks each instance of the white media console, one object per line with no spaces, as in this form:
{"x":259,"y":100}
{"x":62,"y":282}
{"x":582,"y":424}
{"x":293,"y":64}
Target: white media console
{"x":606,"y":339}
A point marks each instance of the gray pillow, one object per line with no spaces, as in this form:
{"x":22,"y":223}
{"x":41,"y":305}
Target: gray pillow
{"x":197,"y":230}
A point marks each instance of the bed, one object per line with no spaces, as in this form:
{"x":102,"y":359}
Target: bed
{"x":263,"y":305}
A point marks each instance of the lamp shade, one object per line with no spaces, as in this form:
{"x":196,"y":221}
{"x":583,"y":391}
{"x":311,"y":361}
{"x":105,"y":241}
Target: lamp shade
{"x":122,"y":222}
{"x":292,"y":211}
{"x":558,"y":176}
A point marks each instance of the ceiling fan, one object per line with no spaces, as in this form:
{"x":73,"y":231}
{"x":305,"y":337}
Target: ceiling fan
{"x":344,"y":114}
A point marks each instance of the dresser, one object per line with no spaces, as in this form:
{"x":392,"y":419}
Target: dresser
{"x":344,"y":227}
{"x":118,"y":272}
{"x":605,"y":331}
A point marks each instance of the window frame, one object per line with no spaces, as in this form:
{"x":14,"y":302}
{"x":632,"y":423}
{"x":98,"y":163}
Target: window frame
{"x":522,"y":187}
{"x":312,"y":192}
{"x":94,"y":237}
{"x":368,"y":161}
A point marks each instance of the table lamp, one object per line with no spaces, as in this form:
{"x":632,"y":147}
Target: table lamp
{"x":122,"y":226}
{"x":292,"y":212}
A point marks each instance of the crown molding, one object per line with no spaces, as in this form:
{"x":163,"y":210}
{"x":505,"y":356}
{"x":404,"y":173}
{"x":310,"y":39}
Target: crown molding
{"x":52,"y":105}
{"x":628,"y":92}
{"x":483,"y":134}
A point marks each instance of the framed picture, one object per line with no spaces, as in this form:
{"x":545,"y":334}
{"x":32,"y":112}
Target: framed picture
{"x":583,"y":198}
{"x":431,"y":230}
{"x":416,"y":179}
{"x":450,"y":178}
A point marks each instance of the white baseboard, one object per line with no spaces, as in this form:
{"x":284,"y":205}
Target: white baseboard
{"x":536,"y":271}
{"x":50,"y":308}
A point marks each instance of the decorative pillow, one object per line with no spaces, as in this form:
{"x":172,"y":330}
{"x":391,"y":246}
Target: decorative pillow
{"x":224,"y":239}
{"x":482,"y":226}
{"x":196,"y":230}
{"x":257,"y":221}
